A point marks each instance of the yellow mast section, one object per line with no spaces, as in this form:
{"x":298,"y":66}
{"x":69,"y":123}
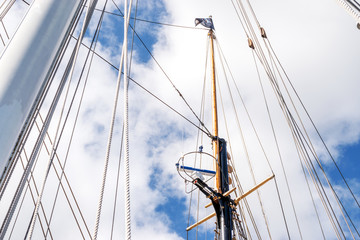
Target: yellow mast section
{"x":215,"y":115}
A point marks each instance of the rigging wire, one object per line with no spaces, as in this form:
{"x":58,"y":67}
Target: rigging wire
{"x":281,"y":97}
{"x":313,"y":150}
{"x":313,"y":124}
{"x":202,"y":116}
{"x":283,"y":106}
{"x":167,"y":105}
{"x":281,"y":100}
{"x":339,"y":202}
{"x":69,"y":75}
{"x":243,"y":140}
{"x":154,"y":22}
{"x":107,"y":155}
{"x":66,"y":196}
{"x":32,"y":198}
{"x":237,"y":179}
{"x":249,"y":28}
{"x":29,"y":123}
{"x":122,"y":136}
{"x":94,"y":41}
{"x":168,"y":78}
{"x":350,"y":10}
{"x":259,"y":52}
{"x":286,"y":111}
{"x":149,"y":92}
{"x":7,"y":35}
{"x":302,"y":149}
{"x":6,"y":9}
{"x":238,"y":182}
{"x":122,"y":132}
{"x":93,"y":51}
{"x":25,"y":133}
{"x":202,"y":108}
{"x":270,"y":48}
{"x":126,"y":122}
{"x":278,"y":151}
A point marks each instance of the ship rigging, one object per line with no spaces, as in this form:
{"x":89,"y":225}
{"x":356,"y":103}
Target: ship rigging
{"x":64,"y":137}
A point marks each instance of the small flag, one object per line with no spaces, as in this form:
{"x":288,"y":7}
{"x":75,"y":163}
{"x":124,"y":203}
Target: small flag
{"x":206,"y":22}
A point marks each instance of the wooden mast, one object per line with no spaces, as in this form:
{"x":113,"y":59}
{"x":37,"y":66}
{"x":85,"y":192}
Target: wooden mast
{"x":215,"y":141}
{"x":220,"y":154}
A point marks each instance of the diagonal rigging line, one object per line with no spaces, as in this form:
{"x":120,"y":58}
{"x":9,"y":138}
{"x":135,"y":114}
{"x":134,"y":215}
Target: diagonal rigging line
{"x":62,"y":187}
{"x":67,"y":75}
{"x":310,"y":146}
{"x":270,"y":48}
{"x":122,"y":133}
{"x":315,"y":127}
{"x":177,"y":90}
{"x":148,"y":91}
{"x":94,"y":41}
{"x":222,"y":59}
{"x":28,"y":187}
{"x":153,"y":22}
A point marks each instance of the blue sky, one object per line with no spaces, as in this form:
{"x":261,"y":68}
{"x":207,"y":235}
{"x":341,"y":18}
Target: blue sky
{"x":317,"y":44}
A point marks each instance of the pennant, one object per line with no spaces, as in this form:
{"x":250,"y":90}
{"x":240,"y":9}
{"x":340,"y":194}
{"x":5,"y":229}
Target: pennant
{"x":206,"y":22}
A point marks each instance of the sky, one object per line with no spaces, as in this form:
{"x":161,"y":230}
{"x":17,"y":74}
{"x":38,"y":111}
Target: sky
{"x":317,"y":44}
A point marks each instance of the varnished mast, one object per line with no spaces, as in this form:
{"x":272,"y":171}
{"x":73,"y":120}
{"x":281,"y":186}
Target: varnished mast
{"x":214,"y":115}
{"x":222,"y":207}
{"x":220,"y":196}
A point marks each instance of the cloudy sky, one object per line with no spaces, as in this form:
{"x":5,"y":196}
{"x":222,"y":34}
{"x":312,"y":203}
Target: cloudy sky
{"x":317,"y":44}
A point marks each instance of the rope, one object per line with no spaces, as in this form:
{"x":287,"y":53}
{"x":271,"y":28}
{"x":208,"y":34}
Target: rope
{"x":66,"y":196}
{"x":308,"y":142}
{"x":202,"y":108}
{"x":313,"y":124}
{"x":28,"y":187}
{"x":29,"y":123}
{"x":94,"y":40}
{"x":153,"y":22}
{"x":126,"y":124}
{"x":313,"y":201}
{"x":168,"y":78}
{"x":349,"y":9}
{"x":237,"y":179}
{"x":292,"y":125}
{"x":69,"y":75}
{"x":108,"y":150}
{"x":243,"y":139}
{"x":6,"y":9}
{"x":122,"y":135}
{"x":339,"y":202}
{"x":38,"y":144}
{"x":7,"y":35}
{"x":149,"y":92}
